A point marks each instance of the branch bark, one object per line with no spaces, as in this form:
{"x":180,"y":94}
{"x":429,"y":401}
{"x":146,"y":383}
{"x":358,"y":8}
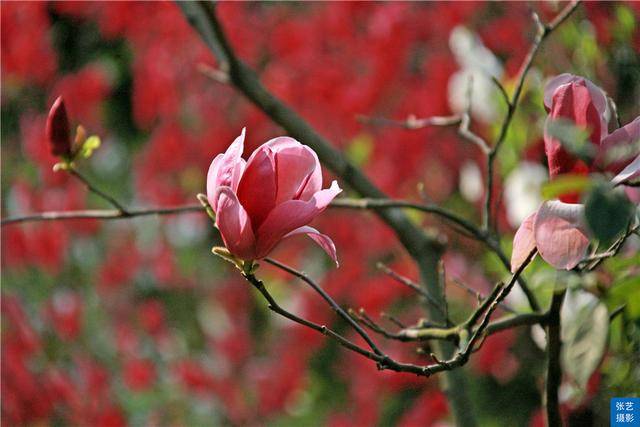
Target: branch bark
{"x":554,"y":370}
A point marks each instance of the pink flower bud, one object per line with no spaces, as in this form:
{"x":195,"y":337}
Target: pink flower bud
{"x":274,"y":195}
{"x":58,"y":132}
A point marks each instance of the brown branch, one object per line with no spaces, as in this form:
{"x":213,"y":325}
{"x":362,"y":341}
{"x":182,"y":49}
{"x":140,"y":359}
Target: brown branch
{"x":92,"y":188}
{"x":214,"y":74}
{"x":393,"y":320}
{"x":411,"y":122}
{"x":592,"y":262}
{"x":325,"y":296}
{"x":275,"y":307}
{"x":383,"y":204}
{"x":425,"y":250}
{"x":474,"y":231}
{"x":411,"y":285}
{"x":374,"y":204}
{"x":101,"y":214}
{"x":554,"y":370}
{"x":479,"y":296}
{"x":383,"y":360}
{"x":362,"y":317}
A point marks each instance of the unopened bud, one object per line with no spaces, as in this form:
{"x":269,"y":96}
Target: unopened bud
{"x":57,"y":131}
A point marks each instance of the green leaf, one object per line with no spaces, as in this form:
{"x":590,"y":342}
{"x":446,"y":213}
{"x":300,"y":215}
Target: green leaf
{"x":607,"y":211}
{"x":627,"y":291}
{"x":584,"y":324}
{"x":569,"y":183}
{"x":89,"y":146}
{"x":574,"y":139}
{"x":626,"y":23}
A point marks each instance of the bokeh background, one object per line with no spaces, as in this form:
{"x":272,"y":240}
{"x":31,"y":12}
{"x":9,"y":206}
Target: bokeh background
{"x":136,"y":323}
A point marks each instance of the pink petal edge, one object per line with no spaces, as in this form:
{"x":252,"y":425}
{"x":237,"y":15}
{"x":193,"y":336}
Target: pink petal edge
{"x":322,"y":240}
{"x":523,"y":242}
{"x":234,"y":225}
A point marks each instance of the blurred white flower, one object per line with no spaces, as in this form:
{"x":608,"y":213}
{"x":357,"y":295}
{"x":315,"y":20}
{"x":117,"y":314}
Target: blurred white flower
{"x":470,"y":184}
{"x":479,"y":64}
{"x":575,"y":301}
{"x":522,"y":191}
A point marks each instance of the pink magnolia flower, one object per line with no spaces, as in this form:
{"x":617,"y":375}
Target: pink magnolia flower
{"x":581,"y":102}
{"x":558,"y":230}
{"x":274,"y":195}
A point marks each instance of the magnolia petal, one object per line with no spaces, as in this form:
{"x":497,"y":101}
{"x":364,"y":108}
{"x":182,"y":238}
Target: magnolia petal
{"x":212,"y":178}
{"x":234,"y":225}
{"x":322,"y":240}
{"x":294,"y":166}
{"x":625,"y":139}
{"x":258,"y":186}
{"x":560,"y":234}
{"x":633,"y":193}
{"x":553,"y":84}
{"x":313,"y":182}
{"x":571,"y":102}
{"x":523,"y":242}
{"x":598,"y":96}
{"x":629,"y":173}
{"x":290,"y":215}
{"x":226,"y":169}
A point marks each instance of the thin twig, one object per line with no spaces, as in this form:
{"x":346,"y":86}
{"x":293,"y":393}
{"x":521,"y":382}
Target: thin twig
{"x":479,"y":296}
{"x":618,"y":310}
{"x":503,"y":91}
{"x":467,"y":134}
{"x":101,"y":214}
{"x":273,"y":305}
{"x":73,"y":171}
{"x":380,"y":204}
{"x":464,"y":130}
{"x":411,"y":285}
{"x":375,"y":204}
{"x":473,"y":230}
{"x":384,"y":361}
{"x":362,"y":317}
{"x":392,"y":319}
{"x":542,"y":32}
{"x":554,"y":370}
{"x":334,"y":305}
{"x":443,"y":281}
{"x":594,"y":261}
{"x":214,"y":74}
{"x":411,"y":122}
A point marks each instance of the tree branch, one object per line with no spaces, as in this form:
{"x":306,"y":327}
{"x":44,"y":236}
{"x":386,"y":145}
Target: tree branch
{"x":411,"y":285}
{"x":334,"y":305}
{"x":92,"y":188}
{"x":383,"y":360}
{"x":101,"y":214}
{"x":473,"y":231}
{"x":554,"y":370}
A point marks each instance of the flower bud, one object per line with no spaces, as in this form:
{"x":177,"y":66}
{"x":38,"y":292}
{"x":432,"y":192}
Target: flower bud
{"x":57,"y":130}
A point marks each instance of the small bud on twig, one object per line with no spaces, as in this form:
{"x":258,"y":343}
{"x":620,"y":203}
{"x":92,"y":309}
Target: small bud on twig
{"x":57,"y":129}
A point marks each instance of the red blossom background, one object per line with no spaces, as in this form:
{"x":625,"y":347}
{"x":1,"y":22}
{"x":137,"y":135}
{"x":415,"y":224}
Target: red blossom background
{"x":136,"y":323}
